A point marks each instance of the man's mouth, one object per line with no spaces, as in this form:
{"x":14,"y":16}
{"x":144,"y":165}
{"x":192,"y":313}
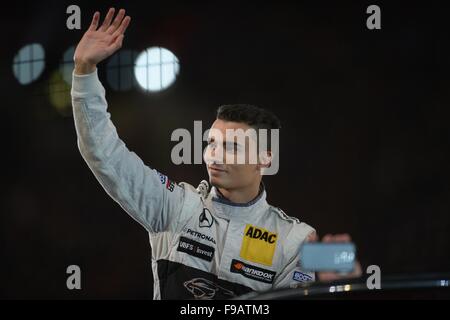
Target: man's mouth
{"x":216,"y":169}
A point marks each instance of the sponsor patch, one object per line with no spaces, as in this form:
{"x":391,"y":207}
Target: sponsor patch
{"x":196,"y":249}
{"x":258,"y":245}
{"x":162,"y":177}
{"x":205,"y":220}
{"x":301,"y":277}
{"x":252,"y":272}
{"x":202,"y":288}
{"x":199,"y":235}
{"x":170,"y":185}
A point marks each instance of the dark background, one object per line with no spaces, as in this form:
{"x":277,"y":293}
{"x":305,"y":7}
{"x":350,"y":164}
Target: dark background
{"x":365,"y":138}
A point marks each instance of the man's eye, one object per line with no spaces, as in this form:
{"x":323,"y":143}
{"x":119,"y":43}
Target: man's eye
{"x":232,"y":147}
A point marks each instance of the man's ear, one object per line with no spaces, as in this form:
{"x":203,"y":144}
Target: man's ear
{"x":265,"y":159}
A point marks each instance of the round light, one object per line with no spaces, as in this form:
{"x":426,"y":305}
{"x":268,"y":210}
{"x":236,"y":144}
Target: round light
{"x":29,"y":63}
{"x":156,"y":69}
{"x":66,"y":65}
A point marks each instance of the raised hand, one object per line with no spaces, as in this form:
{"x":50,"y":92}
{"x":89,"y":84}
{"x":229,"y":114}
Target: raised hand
{"x":333,"y":276}
{"x":98,"y":43}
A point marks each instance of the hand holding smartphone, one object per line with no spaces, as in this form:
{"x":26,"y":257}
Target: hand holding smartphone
{"x":329,"y":257}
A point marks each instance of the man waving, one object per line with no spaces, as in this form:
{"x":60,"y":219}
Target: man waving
{"x":206,"y":243}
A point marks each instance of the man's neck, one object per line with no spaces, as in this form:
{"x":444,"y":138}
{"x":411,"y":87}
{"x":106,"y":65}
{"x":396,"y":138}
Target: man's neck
{"x":243,"y":195}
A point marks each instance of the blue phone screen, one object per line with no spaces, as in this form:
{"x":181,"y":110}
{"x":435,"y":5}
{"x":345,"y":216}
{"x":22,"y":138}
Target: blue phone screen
{"x":337,"y":257}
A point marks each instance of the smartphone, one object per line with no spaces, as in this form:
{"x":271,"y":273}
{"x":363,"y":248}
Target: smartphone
{"x":333,"y":257}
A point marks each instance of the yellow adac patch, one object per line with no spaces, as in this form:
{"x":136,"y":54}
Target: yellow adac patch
{"x":258,"y":245}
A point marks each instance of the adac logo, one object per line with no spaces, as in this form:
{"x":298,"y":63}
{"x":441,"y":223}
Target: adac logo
{"x":258,"y":245}
{"x":261,"y":234}
{"x":205,"y":220}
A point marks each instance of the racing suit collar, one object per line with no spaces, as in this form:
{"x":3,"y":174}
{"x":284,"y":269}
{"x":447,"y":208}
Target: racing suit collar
{"x":219,"y":197}
{"x":228,"y":209}
{"x":241,"y":211}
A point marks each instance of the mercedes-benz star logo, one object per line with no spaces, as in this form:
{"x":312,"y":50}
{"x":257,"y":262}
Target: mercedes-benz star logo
{"x":205,"y":220}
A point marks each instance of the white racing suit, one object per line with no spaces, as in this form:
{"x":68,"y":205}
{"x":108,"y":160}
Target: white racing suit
{"x":203,"y":246}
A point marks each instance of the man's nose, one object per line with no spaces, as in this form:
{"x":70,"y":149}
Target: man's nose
{"x":216,"y":154}
{"x":213,"y":155}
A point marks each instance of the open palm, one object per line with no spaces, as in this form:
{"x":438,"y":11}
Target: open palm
{"x":98,"y":44}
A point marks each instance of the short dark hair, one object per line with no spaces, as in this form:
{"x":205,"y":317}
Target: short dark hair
{"x":255,"y":117}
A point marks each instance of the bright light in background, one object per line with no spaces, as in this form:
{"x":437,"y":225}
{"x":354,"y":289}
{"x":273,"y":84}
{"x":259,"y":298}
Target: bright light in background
{"x":66,"y":65}
{"x":29,"y":63}
{"x":119,"y":70}
{"x":156,"y":69}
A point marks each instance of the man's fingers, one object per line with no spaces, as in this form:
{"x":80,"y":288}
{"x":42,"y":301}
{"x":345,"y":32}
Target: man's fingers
{"x":312,"y":237}
{"x":327,"y":238}
{"x":117,"y":43}
{"x":116,"y":23}
{"x":123,"y":26}
{"x":357,"y":271}
{"x":94,"y":23}
{"x":108,"y":19}
{"x":344,"y":237}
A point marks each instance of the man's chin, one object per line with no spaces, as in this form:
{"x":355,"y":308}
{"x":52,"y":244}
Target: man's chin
{"x":213,"y":181}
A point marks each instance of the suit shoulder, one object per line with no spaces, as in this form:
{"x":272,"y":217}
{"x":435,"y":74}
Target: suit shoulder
{"x":283,"y":216}
{"x":301,"y":228}
{"x":187,"y":186}
{"x":191,"y":194}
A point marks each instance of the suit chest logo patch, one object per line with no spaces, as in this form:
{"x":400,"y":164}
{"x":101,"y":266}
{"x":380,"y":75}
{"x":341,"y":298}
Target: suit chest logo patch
{"x":258,"y":245}
{"x":252,"y":272}
{"x":205,"y":220}
{"x":196,"y":249}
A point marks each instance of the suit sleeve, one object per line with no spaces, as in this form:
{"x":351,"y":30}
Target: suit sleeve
{"x":149,"y":197}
